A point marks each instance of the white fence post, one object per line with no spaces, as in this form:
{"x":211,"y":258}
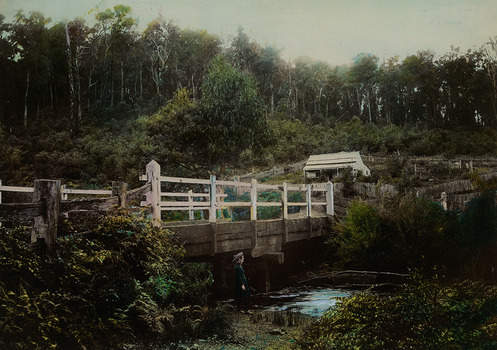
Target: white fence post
{"x":213,"y":195}
{"x":190,"y":205}
{"x":309,"y":208}
{"x":330,"y":200}
{"x":444,"y":200}
{"x":253,"y":199}
{"x":154,"y":197}
{"x":63,"y":192}
{"x":285,"y":200}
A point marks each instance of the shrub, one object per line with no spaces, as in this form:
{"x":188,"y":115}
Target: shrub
{"x":425,"y":315}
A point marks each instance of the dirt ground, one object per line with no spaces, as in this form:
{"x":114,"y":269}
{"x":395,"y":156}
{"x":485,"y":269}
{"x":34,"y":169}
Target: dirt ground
{"x":254,"y":331}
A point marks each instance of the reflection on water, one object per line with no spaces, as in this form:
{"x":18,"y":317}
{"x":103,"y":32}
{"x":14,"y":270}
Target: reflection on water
{"x":311,"y":302}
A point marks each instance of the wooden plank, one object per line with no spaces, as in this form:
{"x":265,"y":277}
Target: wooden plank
{"x":17,"y":189}
{"x":182,"y":204}
{"x":93,"y":204}
{"x":9,"y":211}
{"x":269,"y":187}
{"x":183,"y":208}
{"x":88,"y":192}
{"x":184,"y":180}
{"x":269,"y":204}
{"x":233,"y":183}
{"x":235,"y":204}
{"x":180,"y":194}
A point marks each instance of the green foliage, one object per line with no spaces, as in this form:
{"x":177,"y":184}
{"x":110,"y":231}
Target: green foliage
{"x":125,"y":281}
{"x":232,"y":118}
{"x":360,"y":236}
{"x":417,"y":234}
{"x":425,"y":315}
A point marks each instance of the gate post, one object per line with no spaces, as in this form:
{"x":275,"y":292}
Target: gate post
{"x":47,"y":195}
{"x":153,"y":197}
{"x":119,"y":190}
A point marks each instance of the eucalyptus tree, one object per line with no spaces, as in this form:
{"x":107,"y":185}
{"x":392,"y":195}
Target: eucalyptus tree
{"x":363,"y":76}
{"x":76,"y":33}
{"x":231,"y":117}
{"x":197,"y":48}
{"x":390,"y":91}
{"x":243,"y":53}
{"x":490,"y":65}
{"x":161,"y":40}
{"x":28,"y":38}
{"x":8,"y":88}
{"x":112,"y":37}
{"x":269,"y":70}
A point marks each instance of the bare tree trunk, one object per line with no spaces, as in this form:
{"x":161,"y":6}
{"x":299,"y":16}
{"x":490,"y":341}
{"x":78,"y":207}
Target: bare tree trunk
{"x":141,"y":81}
{"x":72,"y":94}
{"x":25,"y":120}
{"x":122,"y":81}
{"x":78,"y":94}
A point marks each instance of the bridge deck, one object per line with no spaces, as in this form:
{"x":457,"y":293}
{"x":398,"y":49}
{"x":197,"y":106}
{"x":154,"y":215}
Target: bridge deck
{"x":260,"y":237}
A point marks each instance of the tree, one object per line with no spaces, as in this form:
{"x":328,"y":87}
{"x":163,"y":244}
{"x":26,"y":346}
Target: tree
{"x":363,"y":76}
{"x":28,"y":36}
{"x":231,"y":113}
{"x":196,"y":51}
{"x":161,"y":38}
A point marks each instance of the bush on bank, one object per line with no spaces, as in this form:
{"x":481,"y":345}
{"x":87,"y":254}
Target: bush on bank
{"x":125,"y":282}
{"x":425,"y":315}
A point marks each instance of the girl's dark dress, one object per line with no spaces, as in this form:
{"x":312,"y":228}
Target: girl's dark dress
{"x":240,"y":294}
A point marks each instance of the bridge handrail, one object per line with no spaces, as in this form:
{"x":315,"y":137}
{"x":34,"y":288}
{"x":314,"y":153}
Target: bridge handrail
{"x":214,"y":201}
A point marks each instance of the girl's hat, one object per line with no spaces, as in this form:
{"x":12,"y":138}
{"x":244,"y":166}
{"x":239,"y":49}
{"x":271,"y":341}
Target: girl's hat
{"x":237,"y":257}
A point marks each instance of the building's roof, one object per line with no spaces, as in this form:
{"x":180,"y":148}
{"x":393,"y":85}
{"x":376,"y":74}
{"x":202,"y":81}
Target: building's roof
{"x":333,"y":161}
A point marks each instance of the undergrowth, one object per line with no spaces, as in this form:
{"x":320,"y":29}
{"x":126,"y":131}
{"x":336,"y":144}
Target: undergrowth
{"x":126,"y":282}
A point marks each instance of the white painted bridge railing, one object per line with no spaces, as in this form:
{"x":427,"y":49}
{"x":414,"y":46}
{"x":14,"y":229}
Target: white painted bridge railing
{"x":212,"y":197}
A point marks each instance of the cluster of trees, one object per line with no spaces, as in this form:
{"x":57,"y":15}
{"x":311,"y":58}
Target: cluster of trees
{"x":91,"y":71}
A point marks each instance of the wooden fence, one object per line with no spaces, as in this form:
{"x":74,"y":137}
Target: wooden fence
{"x":50,"y":202}
{"x":209,"y":196}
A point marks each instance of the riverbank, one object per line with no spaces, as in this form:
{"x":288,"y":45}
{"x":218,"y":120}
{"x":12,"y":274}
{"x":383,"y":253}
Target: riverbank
{"x":255,"y":330}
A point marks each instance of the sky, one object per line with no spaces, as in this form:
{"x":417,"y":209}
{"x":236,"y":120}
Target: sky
{"x":334,"y":31}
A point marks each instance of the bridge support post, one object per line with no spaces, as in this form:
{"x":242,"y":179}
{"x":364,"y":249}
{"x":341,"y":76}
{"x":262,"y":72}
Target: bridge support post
{"x":47,"y":195}
{"x":254,"y":235}
{"x":213,"y":228}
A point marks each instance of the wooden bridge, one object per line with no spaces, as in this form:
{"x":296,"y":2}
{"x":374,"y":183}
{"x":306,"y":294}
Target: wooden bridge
{"x":212,"y":207}
{"x":217,"y":216}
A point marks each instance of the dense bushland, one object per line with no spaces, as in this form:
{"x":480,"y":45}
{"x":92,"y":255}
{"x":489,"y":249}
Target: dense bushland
{"x":405,"y":233}
{"x":450,"y":301}
{"x":124,"y":282}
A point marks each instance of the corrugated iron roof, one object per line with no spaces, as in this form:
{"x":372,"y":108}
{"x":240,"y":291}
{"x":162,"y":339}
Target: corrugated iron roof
{"x":332,"y":160}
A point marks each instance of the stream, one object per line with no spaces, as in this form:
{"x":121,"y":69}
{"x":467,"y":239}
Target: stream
{"x":313,"y":302}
